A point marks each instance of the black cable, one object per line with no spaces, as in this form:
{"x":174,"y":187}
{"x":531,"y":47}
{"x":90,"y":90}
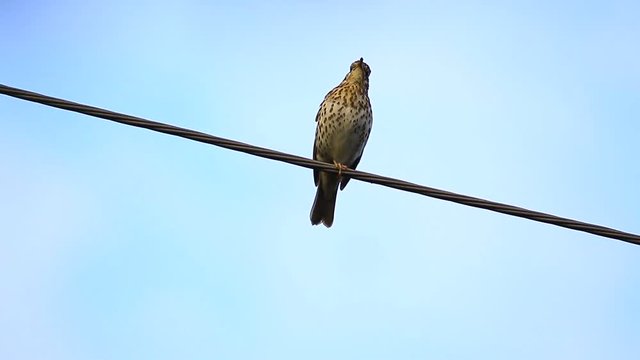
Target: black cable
{"x":312,"y":164}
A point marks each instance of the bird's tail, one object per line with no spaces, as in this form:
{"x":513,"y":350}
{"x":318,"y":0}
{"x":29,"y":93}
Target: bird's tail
{"x":325,"y":202}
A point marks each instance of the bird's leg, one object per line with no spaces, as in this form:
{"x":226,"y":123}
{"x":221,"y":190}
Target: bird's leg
{"x":340,"y":167}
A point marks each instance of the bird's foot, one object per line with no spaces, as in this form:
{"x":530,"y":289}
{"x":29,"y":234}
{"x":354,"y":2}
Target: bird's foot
{"x":340,"y":167}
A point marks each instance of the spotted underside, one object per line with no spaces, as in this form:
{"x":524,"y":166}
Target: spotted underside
{"x":344,"y":123}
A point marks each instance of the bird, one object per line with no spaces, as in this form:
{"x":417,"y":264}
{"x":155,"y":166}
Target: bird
{"x":343,"y":126}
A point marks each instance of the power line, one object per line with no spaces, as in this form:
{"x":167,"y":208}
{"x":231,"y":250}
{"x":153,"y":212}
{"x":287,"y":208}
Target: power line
{"x":313,"y":164}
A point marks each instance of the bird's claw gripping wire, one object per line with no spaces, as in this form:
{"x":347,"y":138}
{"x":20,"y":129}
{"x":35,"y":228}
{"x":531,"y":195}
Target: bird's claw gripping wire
{"x":340,"y":167}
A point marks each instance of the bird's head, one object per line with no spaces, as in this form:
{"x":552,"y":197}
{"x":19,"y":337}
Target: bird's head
{"x":359,"y":73}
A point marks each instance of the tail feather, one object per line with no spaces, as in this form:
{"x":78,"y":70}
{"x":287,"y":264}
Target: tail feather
{"x":325,"y":202}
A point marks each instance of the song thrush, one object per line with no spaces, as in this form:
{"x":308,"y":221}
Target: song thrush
{"x":344,"y":123}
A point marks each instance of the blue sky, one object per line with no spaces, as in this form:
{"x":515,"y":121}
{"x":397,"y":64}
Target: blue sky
{"x":121,"y":243}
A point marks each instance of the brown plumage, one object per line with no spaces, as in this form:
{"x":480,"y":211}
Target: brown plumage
{"x":344,"y":123}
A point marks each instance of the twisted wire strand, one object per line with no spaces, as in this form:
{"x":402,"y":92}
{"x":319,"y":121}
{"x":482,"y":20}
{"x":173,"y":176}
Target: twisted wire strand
{"x":313,"y":164}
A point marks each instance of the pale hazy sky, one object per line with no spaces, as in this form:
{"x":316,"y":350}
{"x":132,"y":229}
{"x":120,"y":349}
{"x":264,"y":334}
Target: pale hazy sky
{"x":120,"y":243}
